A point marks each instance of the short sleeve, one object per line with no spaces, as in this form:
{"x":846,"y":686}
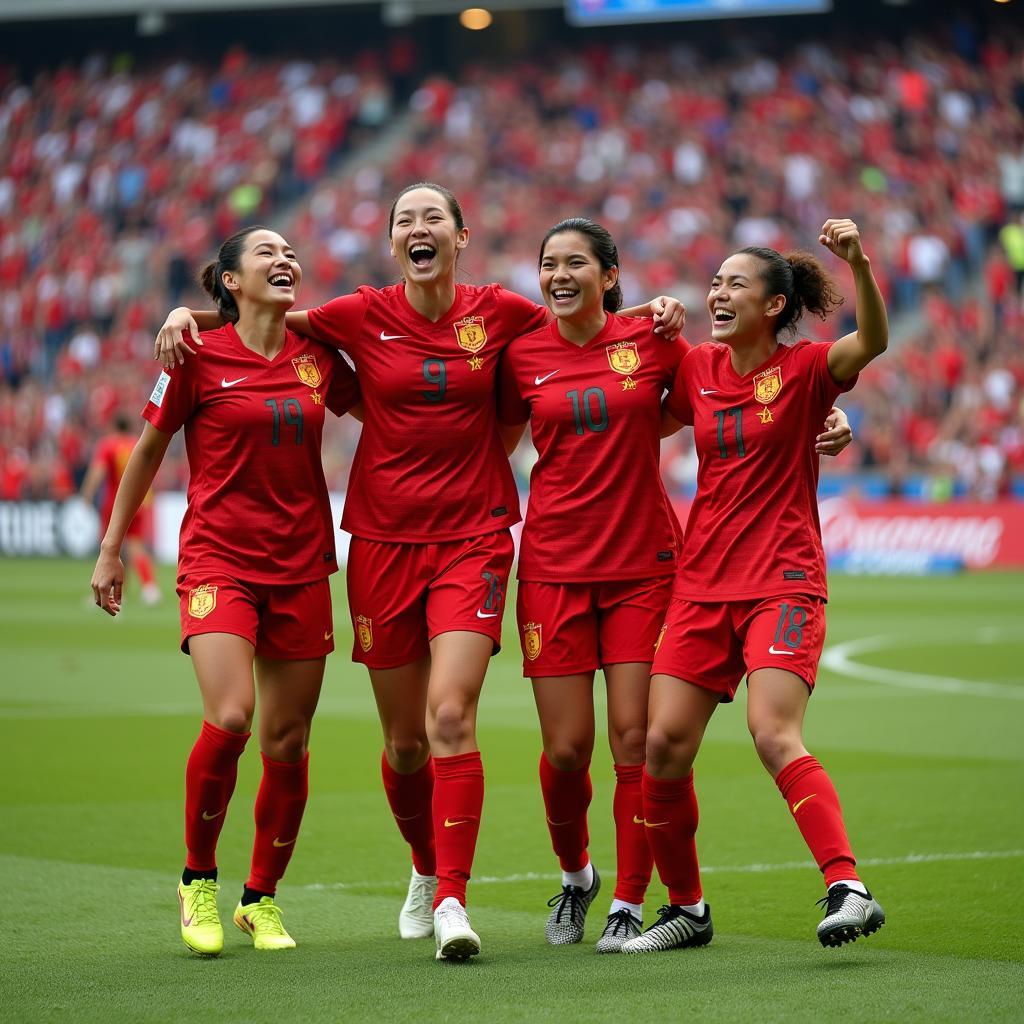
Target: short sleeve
{"x":174,"y":398}
{"x":343,"y":390}
{"x":523,"y":314}
{"x":821,"y":376}
{"x":339,"y":321}
{"x":513,"y":410}
{"x":672,"y":354}
{"x":677,"y":402}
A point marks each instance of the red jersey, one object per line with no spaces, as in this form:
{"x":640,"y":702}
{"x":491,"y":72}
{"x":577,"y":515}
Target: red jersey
{"x":112,"y":453}
{"x":430,"y":465}
{"x":753,"y":527}
{"x":257,"y":500}
{"x":598,"y":509}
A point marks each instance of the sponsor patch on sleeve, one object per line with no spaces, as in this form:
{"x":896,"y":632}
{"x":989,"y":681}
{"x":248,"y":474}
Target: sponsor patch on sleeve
{"x":157,"y":398}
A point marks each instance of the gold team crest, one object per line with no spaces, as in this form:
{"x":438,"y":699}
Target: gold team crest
{"x":531,"y":640}
{"x":201,"y":601}
{"x":471,"y":334}
{"x":768,"y":384}
{"x":623,"y":357}
{"x":364,"y":631}
{"x":307,"y":370}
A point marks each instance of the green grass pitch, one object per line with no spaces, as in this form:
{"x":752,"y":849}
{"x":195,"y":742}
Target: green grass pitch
{"x":919,"y":716}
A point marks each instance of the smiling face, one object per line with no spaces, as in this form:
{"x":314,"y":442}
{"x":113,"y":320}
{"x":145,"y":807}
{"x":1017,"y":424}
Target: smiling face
{"x":268,"y":272}
{"x":425,"y":237}
{"x":572,"y":279}
{"x":738,"y":303}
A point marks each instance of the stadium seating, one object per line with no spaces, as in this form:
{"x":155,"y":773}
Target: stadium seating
{"x":682,"y":155}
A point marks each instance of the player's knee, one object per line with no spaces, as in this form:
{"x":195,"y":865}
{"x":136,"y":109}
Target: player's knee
{"x":451,"y":722}
{"x":406,"y":753}
{"x":775,"y":745}
{"x":288,"y":742}
{"x":630,"y":745}
{"x":659,"y":750}
{"x":235,"y":718}
{"x":568,"y":755}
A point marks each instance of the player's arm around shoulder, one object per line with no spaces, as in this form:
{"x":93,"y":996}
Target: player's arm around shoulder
{"x":513,"y":410}
{"x":851,"y":353}
{"x":676,"y":409}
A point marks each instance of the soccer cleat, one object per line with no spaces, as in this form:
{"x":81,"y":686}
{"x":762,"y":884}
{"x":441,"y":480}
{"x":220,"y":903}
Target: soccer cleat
{"x":416,"y":920}
{"x":263,"y":922}
{"x":848,"y":915}
{"x":200,"y":924}
{"x":618,"y":930}
{"x":565,"y":924}
{"x":455,"y":939}
{"x":675,"y":929}
{"x":150,"y":594}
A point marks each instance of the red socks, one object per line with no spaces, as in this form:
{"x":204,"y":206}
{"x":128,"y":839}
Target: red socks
{"x":411,"y":798}
{"x":458,"y":800}
{"x":279,"y":805}
{"x":814,"y":804}
{"x":633,"y":856}
{"x":567,"y":796}
{"x":209,"y":782}
{"x":144,"y":568}
{"x":670,"y":813}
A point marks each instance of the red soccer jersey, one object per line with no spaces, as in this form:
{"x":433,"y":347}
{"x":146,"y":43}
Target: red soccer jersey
{"x":257,"y":500}
{"x":598,"y":509}
{"x":430,"y":465}
{"x":113,"y":453}
{"x":753,"y":527}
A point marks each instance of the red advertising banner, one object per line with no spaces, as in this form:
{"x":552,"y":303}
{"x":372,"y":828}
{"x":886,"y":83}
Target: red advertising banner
{"x":905,"y":536}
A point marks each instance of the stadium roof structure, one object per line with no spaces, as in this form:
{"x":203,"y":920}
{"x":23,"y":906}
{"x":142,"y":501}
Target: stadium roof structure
{"x":391,"y":10}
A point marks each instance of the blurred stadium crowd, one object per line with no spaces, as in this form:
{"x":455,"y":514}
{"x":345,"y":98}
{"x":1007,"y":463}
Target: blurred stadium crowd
{"x":117,"y":181}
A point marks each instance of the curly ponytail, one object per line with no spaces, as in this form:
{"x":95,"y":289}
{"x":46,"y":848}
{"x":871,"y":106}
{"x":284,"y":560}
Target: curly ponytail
{"x":802,"y":279}
{"x":228,"y":258}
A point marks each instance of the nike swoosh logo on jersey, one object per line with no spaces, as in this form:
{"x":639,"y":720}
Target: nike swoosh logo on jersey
{"x":231,"y":383}
{"x":485,"y":615}
{"x":540,"y":380}
{"x":771,"y":650}
{"x":392,"y":337}
{"x":705,"y":391}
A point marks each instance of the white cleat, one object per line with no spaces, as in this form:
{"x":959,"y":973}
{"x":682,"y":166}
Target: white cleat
{"x":455,"y":939}
{"x":416,"y":919}
{"x":618,"y":930}
{"x":151,"y":594}
{"x":849,"y":915}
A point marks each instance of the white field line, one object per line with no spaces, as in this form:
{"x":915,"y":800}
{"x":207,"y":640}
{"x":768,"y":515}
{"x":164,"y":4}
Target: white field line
{"x":840,"y":659}
{"x":737,"y":869}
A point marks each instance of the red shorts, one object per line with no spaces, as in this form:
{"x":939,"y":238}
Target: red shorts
{"x":291,"y":622}
{"x":566,"y":628}
{"x":715,"y":645}
{"x":403,"y":595}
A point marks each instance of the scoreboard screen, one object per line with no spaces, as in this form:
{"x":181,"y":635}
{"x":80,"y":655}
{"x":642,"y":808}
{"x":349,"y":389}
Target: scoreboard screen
{"x":611,"y":12}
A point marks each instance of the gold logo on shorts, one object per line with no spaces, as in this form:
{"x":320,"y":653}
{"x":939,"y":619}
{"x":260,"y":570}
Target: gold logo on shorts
{"x":531,"y":640}
{"x":364,"y":631}
{"x":470,"y":333}
{"x":307,"y":370}
{"x":201,"y":601}
{"x":768,"y":384}
{"x":661,"y":636}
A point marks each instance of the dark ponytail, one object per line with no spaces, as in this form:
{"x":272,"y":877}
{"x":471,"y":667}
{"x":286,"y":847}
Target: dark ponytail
{"x":602,"y":248}
{"x":228,"y":258}
{"x":802,"y":278}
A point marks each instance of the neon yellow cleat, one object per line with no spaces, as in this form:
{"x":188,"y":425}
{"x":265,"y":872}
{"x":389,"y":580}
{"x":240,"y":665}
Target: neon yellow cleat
{"x":263,"y":922}
{"x":200,"y":925}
